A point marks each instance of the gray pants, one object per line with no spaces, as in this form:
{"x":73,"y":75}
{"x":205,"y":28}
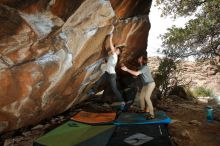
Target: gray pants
{"x":111,"y":79}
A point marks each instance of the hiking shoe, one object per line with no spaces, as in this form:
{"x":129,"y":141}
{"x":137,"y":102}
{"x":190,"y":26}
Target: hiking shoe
{"x":90,"y":92}
{"x":149,"y":116}
{"x":122,"y":106}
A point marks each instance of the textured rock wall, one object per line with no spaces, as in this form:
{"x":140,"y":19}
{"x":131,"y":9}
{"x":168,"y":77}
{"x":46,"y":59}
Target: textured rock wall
{"x":51,"y":51}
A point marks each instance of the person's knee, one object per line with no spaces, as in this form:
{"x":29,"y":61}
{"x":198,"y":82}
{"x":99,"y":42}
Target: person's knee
{"x":147,"y":98}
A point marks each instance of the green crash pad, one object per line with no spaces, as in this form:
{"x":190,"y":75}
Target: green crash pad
{"x":76,"y":134}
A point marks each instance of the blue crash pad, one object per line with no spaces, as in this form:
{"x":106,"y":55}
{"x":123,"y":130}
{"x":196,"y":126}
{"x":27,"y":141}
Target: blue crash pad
{"x":139,"y":118}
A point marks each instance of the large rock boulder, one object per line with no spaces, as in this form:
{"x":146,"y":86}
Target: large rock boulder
{"x":51,"y":52}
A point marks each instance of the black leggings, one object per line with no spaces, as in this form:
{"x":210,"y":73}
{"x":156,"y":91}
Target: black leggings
{"x":110,"y":78}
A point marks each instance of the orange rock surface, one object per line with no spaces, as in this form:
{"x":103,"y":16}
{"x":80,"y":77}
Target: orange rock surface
{"x":51,"y":52}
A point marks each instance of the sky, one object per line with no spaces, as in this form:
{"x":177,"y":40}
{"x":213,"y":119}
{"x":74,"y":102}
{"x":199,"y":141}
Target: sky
{"x":159,"y":26}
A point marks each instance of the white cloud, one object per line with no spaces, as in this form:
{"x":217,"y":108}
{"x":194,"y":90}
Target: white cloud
{"x":159,"y":26}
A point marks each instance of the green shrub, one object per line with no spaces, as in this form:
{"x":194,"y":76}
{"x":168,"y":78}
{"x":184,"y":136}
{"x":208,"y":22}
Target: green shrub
{"x":201,"y":91}
{"x":166,"y":72}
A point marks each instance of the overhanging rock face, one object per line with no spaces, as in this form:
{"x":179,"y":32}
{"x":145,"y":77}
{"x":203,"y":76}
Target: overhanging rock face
{"x":51,"y":51}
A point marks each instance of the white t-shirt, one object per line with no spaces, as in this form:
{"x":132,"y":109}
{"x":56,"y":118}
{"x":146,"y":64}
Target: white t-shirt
{"x":112,"y":61}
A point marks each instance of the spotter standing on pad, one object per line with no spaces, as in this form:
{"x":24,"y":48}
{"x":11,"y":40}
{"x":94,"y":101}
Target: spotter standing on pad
{"x":147,"y":83}
{"x":110,"y":74}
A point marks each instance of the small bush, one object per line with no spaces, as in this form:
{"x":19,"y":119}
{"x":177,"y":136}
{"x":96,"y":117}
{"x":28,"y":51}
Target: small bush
{"x":201,"y":91}
{"x":164,"y":74}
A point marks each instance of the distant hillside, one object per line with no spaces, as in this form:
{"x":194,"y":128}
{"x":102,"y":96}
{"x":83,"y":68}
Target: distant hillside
{"x":200,"y":74}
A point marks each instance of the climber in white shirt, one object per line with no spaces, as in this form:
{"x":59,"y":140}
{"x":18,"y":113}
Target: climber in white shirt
{"x":110,"y":74}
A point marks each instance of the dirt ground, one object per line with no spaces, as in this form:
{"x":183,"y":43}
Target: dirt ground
{"x":188,"y":128}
